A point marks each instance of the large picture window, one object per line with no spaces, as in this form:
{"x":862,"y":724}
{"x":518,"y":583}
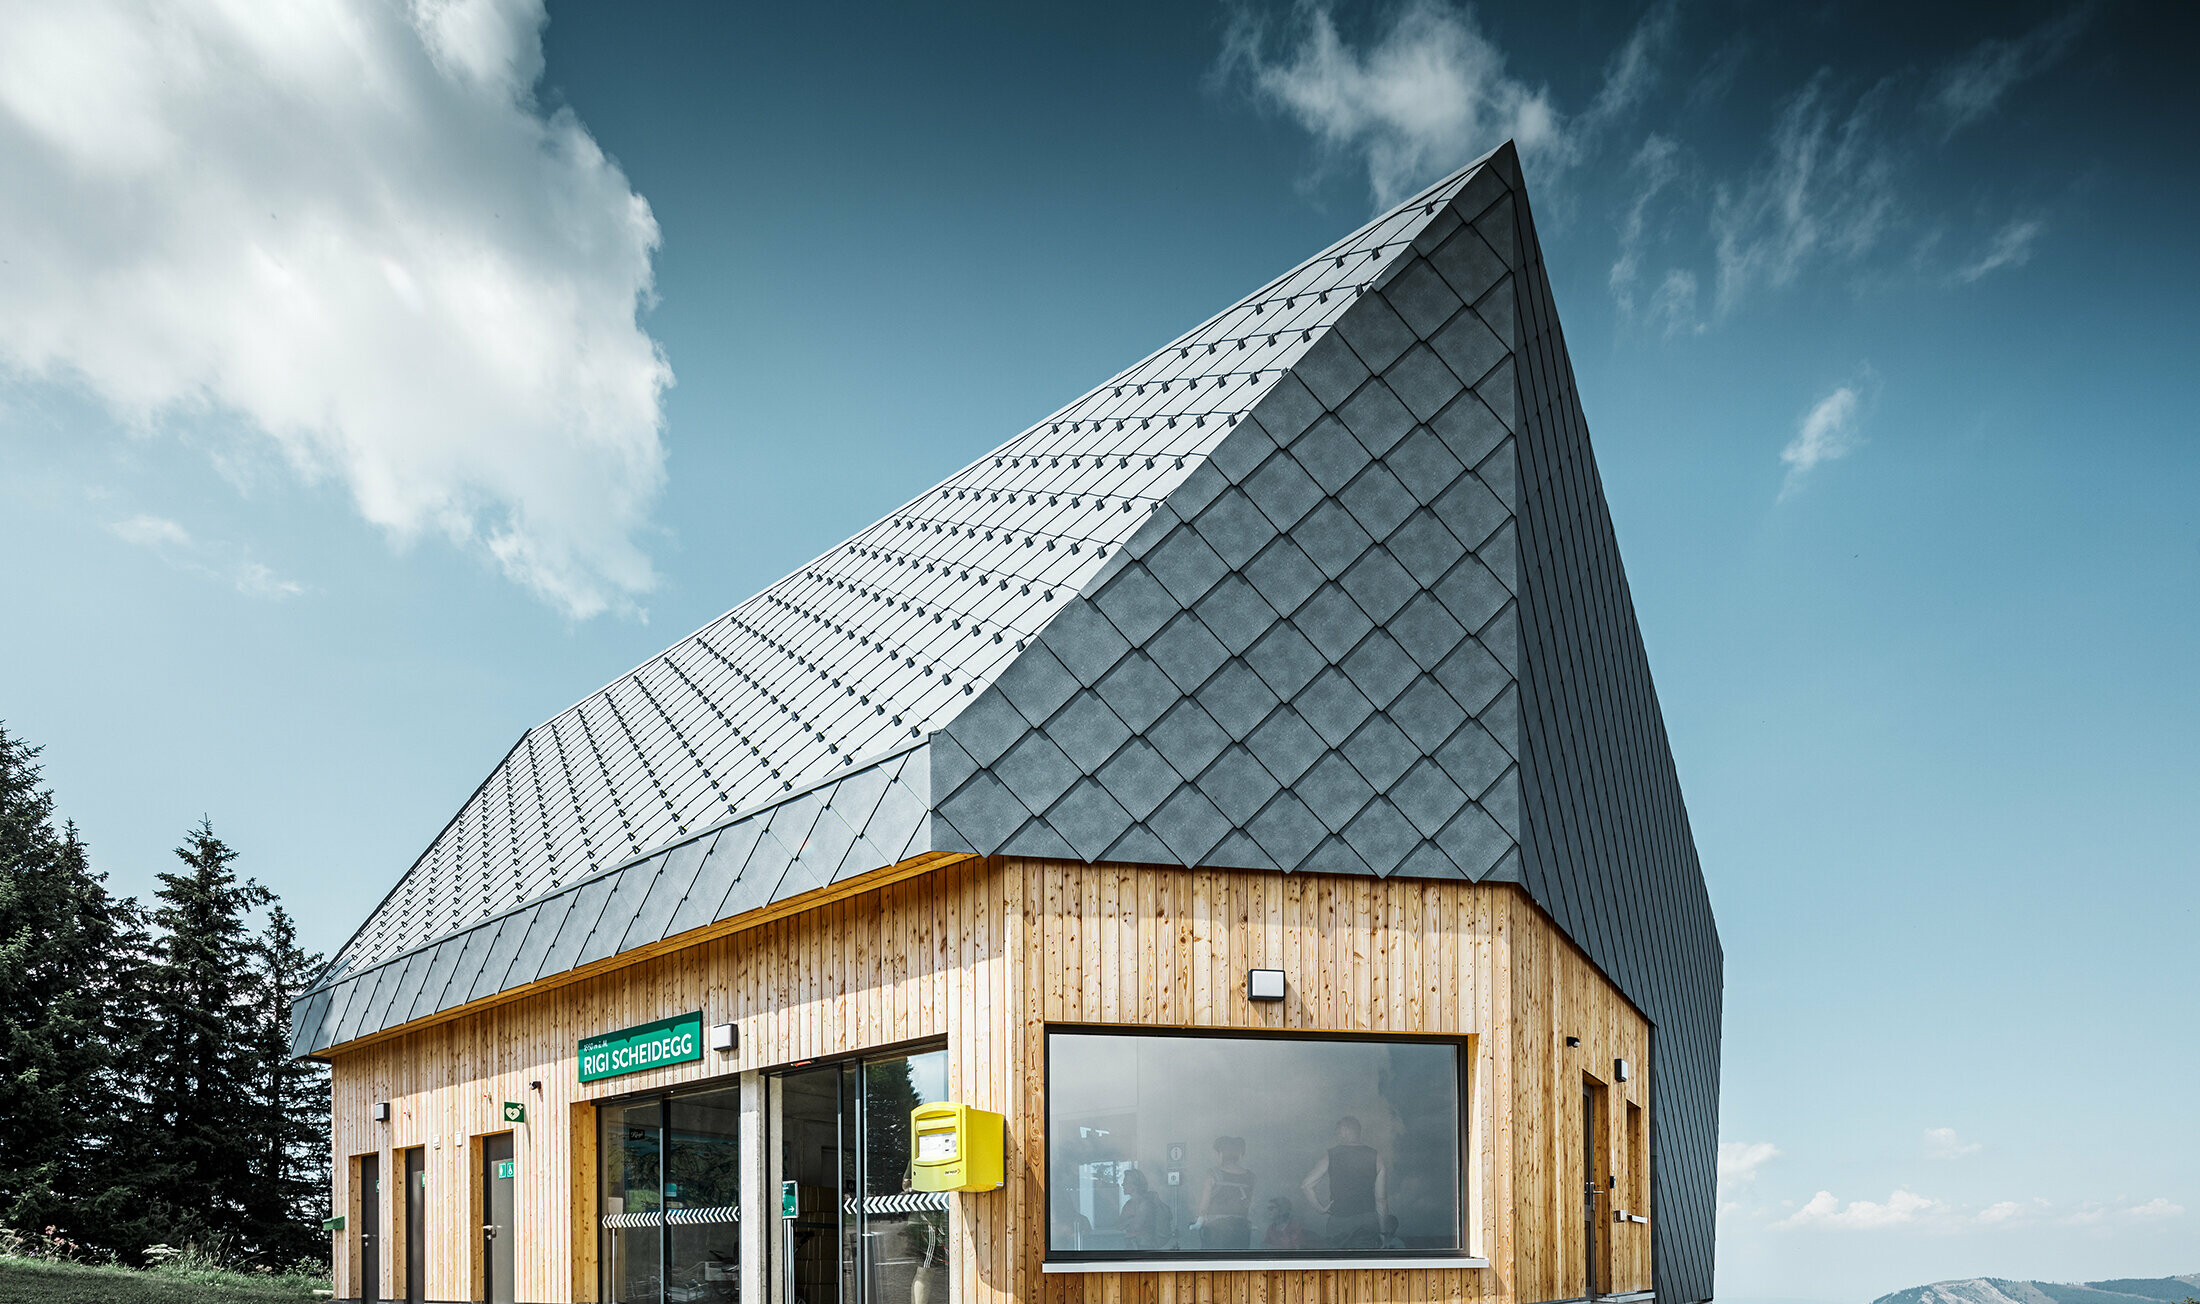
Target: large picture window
{"x":1210,"y":1146}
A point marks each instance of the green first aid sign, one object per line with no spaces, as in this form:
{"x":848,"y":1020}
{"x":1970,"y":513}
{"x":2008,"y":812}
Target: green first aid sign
{"x":652,"y":1045}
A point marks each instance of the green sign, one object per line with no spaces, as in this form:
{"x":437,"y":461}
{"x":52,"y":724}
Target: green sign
{"x":504,"y":1169}
{"x":652,"y":1045}
{"x":335,"y":1224}
{"x":514,"y":1112}
{"x":790,"y":1200}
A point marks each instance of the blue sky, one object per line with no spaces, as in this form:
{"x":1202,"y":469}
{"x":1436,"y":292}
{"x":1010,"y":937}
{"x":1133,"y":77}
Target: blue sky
{"x":374,"y":387}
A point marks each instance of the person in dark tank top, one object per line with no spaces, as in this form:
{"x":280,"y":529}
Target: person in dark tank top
{"x":1226,"y":1205}
{"x":1354,"y":1173}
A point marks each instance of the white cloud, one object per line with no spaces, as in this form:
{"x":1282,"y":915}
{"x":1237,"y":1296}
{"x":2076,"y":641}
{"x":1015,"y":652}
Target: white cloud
{"x":348,"y":228}
{"x":221,"y":562}
{"x":1971,"y":86}
{"x":1826,"y":433}
{"x":1902,"y":1208}
{"x":2010,"y":247}
{"x":1740,"y":1160}
{"x":1943,"y":1143}
{"x":1428,"y":91}
{"x":1655,"y":165}
{"x":1994,"y":1215}
{"x":1826,"y":192}
{"x":2154,"y":1210}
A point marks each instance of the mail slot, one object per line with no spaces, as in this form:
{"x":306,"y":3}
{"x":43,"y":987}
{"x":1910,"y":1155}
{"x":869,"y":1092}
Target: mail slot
{"x":958,"y":1148}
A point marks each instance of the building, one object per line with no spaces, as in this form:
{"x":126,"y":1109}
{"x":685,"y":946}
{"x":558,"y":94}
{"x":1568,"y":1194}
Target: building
{"x":1247,"y":782}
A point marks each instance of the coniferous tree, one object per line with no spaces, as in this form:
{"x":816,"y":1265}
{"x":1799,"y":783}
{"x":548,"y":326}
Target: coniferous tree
{"x":292,"y":1183}
{"x":64,"y":947}
{"x":200,"y":1093}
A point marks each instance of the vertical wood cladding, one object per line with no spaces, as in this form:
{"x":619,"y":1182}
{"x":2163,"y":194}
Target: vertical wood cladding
{"x":1606,"y":840}
{"x":983,"y":955}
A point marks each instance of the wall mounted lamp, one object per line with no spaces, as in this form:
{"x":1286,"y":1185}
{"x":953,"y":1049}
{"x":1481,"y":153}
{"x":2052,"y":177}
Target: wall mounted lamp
{"x":381,"y":1111}
{"x":1619,"y":1070}
{"x":1572,"y":1042}
{"x":1264,"y":984}
{"x":724,"y":1036}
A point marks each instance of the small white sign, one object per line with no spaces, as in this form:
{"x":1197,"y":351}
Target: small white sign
{"x":935,"y":1145}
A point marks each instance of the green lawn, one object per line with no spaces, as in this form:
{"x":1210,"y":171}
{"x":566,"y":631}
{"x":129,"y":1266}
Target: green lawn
{"x":35,"y":1281}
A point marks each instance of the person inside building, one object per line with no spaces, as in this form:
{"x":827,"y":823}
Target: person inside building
{"x":1355,"y":1175}
{"x":1226,"y":1204}
{"x":1281,"y":1228}
{"x":1141,"y":1219}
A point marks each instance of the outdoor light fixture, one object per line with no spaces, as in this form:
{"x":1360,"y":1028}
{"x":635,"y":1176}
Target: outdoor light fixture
{"x":381,"y":1111}
{"x":1572,"y":1042}
{"x":1264,"y":984}
{"x":724,"y":1036}
{"x":1619,"y":1069}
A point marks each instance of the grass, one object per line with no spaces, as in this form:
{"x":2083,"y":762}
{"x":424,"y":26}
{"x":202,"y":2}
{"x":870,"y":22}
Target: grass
{"x":43,"y":1281}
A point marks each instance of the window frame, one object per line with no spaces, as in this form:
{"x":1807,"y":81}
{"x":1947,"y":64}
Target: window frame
{"x":1086,"y":1261}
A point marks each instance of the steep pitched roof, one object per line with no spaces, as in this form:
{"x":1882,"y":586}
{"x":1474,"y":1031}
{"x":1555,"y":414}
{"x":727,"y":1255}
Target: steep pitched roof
{"x":882,"y":640}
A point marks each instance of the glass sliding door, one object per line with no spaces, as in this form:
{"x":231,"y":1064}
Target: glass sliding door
{"x":671,"y":1198}
{"x":851,"y":1229}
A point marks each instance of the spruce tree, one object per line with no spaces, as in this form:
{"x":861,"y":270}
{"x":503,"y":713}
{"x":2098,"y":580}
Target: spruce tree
{"x":64,"y":949}
{"x":291,"y":1126}
{"x":200,"y":1087}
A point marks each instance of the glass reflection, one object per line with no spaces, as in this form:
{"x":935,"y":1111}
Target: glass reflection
{"x":629,"y":1158}
{"x":1251,"y":1145}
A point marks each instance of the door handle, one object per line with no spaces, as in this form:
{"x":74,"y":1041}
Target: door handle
{"x":489,"y":1230}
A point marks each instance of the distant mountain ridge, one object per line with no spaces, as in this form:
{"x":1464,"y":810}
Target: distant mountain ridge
{"x":1996,"y":1290}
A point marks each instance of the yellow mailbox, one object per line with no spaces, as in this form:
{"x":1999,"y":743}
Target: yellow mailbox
{"x":958,"y":1148}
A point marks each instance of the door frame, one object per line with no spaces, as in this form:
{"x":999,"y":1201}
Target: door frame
{"x":401,"y":1206}
{"x":477,"y":1189}
{"x":365,"y":1213}
{"x":1598,"y":1190}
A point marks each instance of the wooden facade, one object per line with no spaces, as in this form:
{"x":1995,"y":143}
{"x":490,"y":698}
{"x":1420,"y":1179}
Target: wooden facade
{"x":981,"y":955}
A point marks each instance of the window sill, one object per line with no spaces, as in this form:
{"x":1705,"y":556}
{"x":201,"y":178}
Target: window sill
{"x":1234,"y":1264}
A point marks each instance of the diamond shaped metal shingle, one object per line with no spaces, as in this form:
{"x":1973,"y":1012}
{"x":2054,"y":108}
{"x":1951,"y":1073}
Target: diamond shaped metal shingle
{"x":1421,"y":298}
{"x":1139,"y":777}
{"x":1501,"y":553}
{"x":1235,"y":613}
{"x":1038,"y":839}
{"x":1469,"y":429}
{"x":1246,"y":446}
{"x":1333,"y":790}
{"x":1467,"y":264}
{"x":1237,"y":699}
{"x":1471,"y":510}
{"x":1499,"y":311}
{"x":1471,"y":593}
{"x":1087,"y":732}
{"x":1036,"y":684}
{"x":1283,"y":575}
{"x":1422,"y":382}
{"x":1468,"y":347}
{"x":1283,"y":491}
{"x":1427,"y":796}
{"x":1187,"y":737}
{"x":1237,"y":784}
{"x":1084,"y":641}
{"x":1088,"y":819}
{"x":988,"y":727}
{"x":1288,"y":409}
{"x":1329,"y":453}
{"x":1332,"y":622}
{"x":1380,"y":668}
{"x":1190,"y":824}
{"x":1334,"y":856}
{"x":1036,"y":772}
{"x":1473,"y":841}
{"x":1424,"y":465}
{"x":1330,"y":370}
{"x":1239,"y":851}
{"x":1374,"y":331}
{"x":1502,"y":800}
{"x":1333,"y":705}
{"x":1285,"y":745}
{"x":1381,"y":835}
{"x":1331,"y":539}
{"x":1187,"y":652}
{"x":1377,"y":501}
{"x":1135,"y":603}
{"x":1502,"y":637}
{"x":1498,"y":391}
{"x":1287,"y":830}
{"x":1426,"y":631}
{"x":1285,"y":660}
{"x":1473,"y":758}
{"x":1379,"y":584}
{"x":1502,"y":718}
{"x":1137,"y":691}
{"x":1234,"y":528}
{"x":1185,"y":565}
{"x":1139,"y":846}
{"x":1380,"y":752}
{"x":1500,"y":472}
{"x":1376,"y":417}
{"x":1427,"y":713}
{"x":1424,"y":547}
